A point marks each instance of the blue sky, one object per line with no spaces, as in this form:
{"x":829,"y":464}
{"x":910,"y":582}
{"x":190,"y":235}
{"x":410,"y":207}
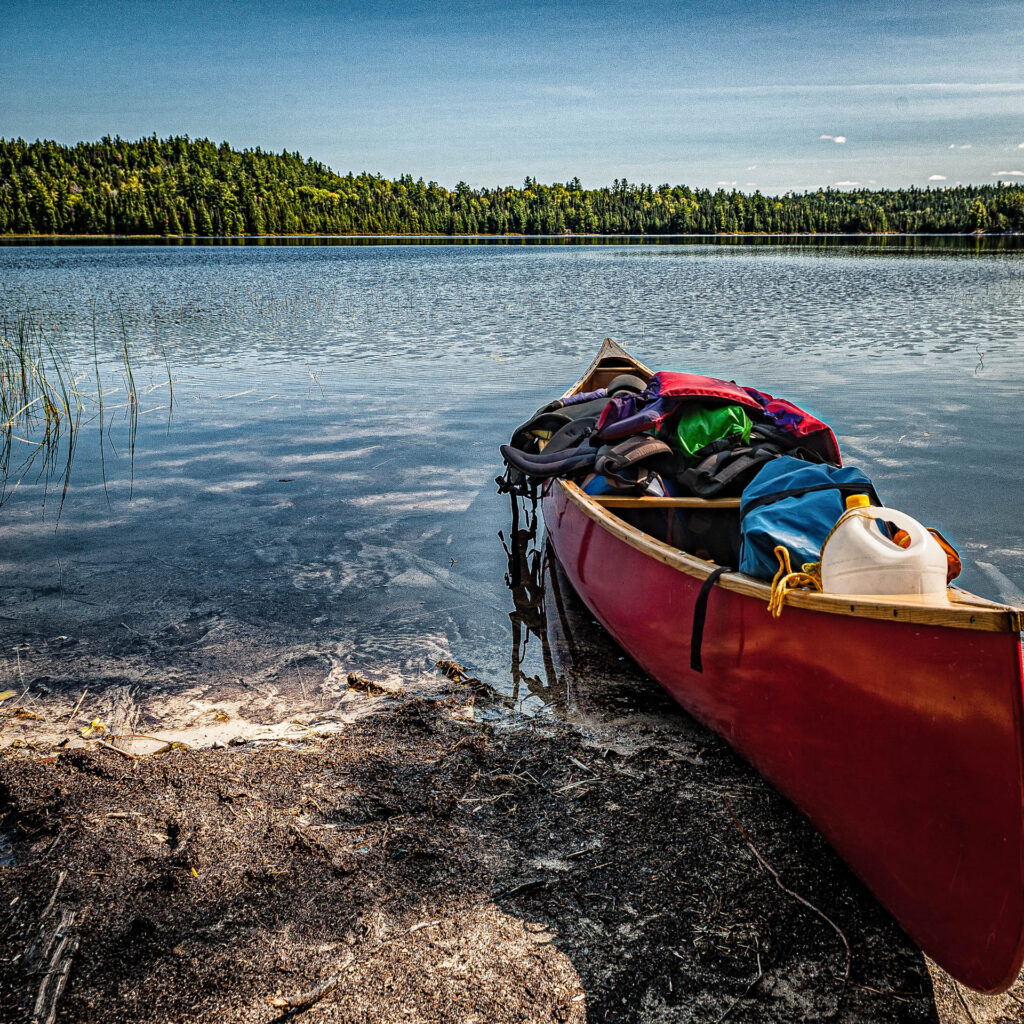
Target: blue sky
{"x":785,"y":95}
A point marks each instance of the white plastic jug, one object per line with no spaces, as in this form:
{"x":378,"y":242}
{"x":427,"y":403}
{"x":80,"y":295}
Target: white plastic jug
{"x":859,"y":559}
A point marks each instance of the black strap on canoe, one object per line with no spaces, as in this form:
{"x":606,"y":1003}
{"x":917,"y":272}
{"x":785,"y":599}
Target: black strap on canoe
{"x":700,"y":611}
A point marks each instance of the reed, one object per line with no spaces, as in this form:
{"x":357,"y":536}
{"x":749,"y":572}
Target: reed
{"x":46,"y":398}
{"x":40,"y":405}
{"x":133,"y":398}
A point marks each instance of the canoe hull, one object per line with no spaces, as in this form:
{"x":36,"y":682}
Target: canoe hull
{"x":900,"y":742}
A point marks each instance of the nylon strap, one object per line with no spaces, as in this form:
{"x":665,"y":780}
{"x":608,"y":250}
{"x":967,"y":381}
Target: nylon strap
{"x":700,"y":611}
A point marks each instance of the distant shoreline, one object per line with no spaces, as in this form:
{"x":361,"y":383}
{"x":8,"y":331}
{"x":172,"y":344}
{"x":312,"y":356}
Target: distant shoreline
{"x":181,"y":188}
{"x":567,"y":236}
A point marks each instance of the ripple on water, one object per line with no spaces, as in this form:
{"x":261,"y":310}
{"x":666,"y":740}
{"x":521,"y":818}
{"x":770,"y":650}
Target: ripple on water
{"x":324,"y":482}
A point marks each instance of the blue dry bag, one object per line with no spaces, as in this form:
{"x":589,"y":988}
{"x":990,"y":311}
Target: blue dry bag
{"x":796,"y":504}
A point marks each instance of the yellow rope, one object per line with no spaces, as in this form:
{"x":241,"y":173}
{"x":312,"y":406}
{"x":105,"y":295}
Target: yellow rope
{"x":810,"y":574}
{"x":786,"y":579}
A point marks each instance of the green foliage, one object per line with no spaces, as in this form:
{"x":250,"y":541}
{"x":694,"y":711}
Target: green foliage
{"x":192,"y":186}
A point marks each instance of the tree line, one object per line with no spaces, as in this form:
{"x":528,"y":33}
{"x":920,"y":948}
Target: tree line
{"x":183,"y":186}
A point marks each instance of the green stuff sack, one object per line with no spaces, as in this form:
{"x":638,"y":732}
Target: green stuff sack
{"x":700,"y":425}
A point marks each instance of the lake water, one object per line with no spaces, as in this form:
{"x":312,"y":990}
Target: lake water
{"x":321,"y":498}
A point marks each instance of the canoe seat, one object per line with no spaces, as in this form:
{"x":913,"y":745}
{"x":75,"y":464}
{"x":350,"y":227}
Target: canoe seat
{"x":709,"y":533}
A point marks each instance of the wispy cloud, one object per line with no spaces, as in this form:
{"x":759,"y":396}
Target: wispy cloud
{"x":1020,"y":145}
{"x":726,"y":184}
{"x":937,"y":177}
{"x":1008,"y":174}
{"x":568,"y":92}
{"x":753,"y":167}
{"x":839,"y":139}
{"x":847,"y":184}
{"x":953,"y":145}
{"x":867,"y":88}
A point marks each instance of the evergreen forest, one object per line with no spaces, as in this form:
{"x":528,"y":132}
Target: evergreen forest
{"x":183,"y":186}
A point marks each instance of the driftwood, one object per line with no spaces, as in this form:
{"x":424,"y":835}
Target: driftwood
{"x":303,"y":1000}
{"x":56,"y":949}
{"x":458,"y":674}
{"x":800,"y":899}
{"x":364,"y":685}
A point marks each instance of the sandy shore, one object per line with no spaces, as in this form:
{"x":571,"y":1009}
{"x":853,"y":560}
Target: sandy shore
{"x":437,"y":859}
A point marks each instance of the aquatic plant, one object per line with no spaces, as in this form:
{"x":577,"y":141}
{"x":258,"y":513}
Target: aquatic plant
{"x":40,"y":405}
{"x":43,"y":399}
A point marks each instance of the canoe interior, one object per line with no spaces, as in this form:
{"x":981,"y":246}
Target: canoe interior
{"x":957,"y":608}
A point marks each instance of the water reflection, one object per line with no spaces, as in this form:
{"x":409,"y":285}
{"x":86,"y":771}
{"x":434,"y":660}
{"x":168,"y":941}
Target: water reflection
{"x":323,"y":496}
{"x":563,"y":661}
{"x":891,"y":242}
{"x":529,"y":565}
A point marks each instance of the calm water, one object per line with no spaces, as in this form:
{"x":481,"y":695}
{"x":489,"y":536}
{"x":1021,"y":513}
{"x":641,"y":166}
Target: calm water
{"x":323,"y":493}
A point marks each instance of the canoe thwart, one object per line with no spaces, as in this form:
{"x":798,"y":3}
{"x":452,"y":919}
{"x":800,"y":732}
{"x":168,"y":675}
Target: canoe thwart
{"x":629,"y":501}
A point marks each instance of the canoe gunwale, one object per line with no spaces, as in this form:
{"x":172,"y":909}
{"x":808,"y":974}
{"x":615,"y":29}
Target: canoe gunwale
{"x":963,"y":610}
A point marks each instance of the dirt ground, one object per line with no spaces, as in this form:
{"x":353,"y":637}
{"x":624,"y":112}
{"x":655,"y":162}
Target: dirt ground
{"x":439,"y":859}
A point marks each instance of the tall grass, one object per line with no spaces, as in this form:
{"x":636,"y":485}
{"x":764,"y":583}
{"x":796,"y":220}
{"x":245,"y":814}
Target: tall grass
{"x":43,"y":398}
{"x":133,"y":399}
{"x":40,"y":406}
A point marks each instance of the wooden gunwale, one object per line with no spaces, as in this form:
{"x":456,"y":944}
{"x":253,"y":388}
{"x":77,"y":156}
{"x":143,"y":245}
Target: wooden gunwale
{"x":625,"y":501}
{"x":963,"y":610}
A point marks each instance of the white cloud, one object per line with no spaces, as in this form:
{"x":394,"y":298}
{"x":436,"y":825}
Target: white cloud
{"x":750,"y":184}
{"x":1008,"y":174}
{"x":753,"y":167}
{"x":937,"y":177}
{"x":839,"y":139}
{"x":847,"y":184}
{"x":953,"y":145}
{"x":832,"y":138}
{"x":822,"y":138}
{"x":726,"y":184}
{"x":1020,"y":145}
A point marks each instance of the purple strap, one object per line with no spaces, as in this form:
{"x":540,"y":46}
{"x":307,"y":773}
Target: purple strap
{"x":587,"y":396}
{"x":628,"y":414}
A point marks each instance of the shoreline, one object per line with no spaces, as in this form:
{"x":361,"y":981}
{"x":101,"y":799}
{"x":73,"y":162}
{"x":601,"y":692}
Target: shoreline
{"x":568,"y":236}
{"x":440,"y":858}
{"x":208,"y":804}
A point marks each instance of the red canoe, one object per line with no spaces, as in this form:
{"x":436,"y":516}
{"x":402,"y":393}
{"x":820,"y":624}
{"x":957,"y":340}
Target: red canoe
{"x":894,"y":724}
